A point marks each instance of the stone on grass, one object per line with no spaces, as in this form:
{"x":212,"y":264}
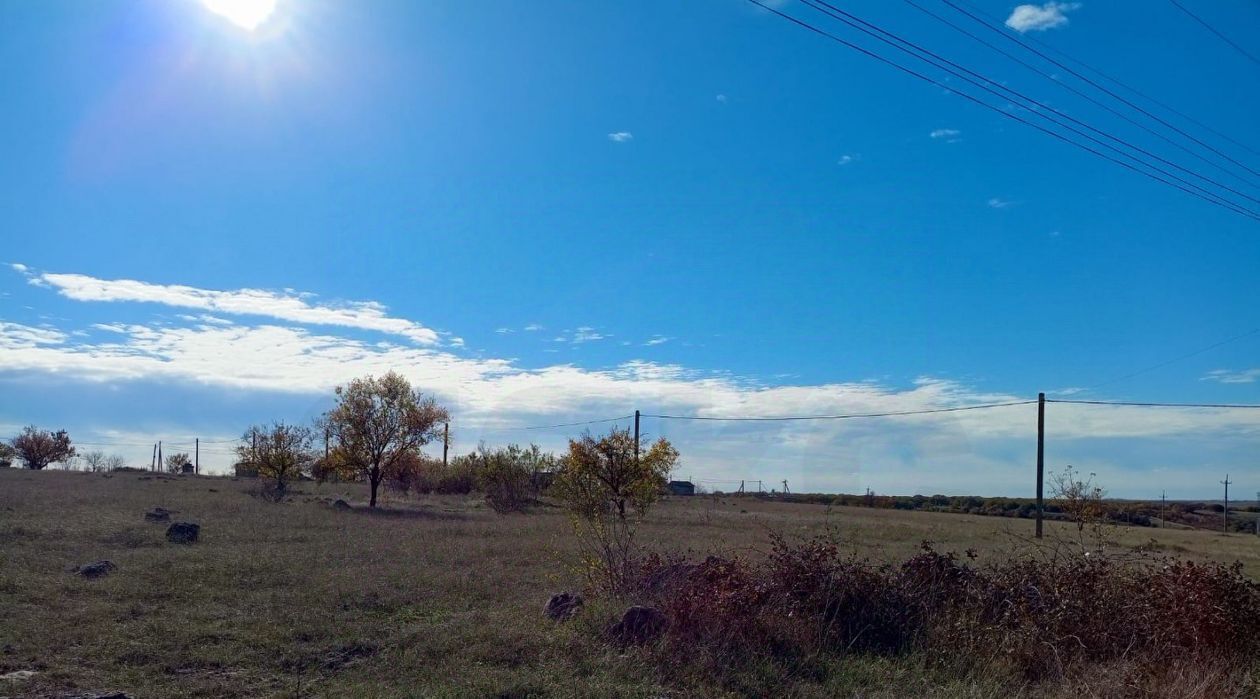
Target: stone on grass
{"x":563,"y":605}
{"x":183,"y":532}
{"x":638,"y":625}
{"x":158,"y":514}
{"x":341,"y":505}
{"x":96,"y":569}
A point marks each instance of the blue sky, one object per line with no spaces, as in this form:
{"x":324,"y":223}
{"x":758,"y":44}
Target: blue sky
{"x":546,"y":212}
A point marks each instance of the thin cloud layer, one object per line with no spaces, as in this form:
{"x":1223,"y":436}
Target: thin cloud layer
{"x":287,"y":305}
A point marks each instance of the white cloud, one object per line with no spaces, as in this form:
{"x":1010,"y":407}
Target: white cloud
{"x":585,"y":334}
{"x":288,"y":305}
{"x":845,"y":159}
{"x":15,"y":336}
{"x":948,"y":135}
{"x":657,"y":340}
{"x":721,"y":98}
{"x":532,"y":327}
{"x":504,"y":331}
{"x":19,"y":268}
{"x":1039,"y":18}
{"x":1227,"y":376}
{"x":996,"y":203}
{"x":621,"y":136}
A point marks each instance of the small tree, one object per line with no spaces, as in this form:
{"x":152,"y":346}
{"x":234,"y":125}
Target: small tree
{"x":1081,"y":500}
{"x":93,"y":461}
{"x":378,"y":421}
{"x":608,"y":490}
{"x":175,"y":463}
{"x":7,"y":455}
{"x":38,"y":448}
{"x":279,"y":453}
{"x":509,"y":476}
{"x":113,"y":462}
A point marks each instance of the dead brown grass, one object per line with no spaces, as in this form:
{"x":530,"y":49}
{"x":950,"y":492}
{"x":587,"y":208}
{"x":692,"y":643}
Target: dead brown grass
{"x":436,"y":596}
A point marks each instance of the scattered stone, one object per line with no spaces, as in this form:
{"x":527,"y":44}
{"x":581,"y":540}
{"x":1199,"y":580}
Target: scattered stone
{"x":638,"y":625}
{"x":563,"y":605}
{"x":341,"y":505}
{"x":19,"y":675}
{"x":158,"y":514}
{"x":97,"y":569}
{"x":213,"y":490}
{"x":183,"y":532}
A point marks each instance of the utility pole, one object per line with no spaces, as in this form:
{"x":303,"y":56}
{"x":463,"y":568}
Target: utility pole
{"x":326,"y":436}
{"x":446,"y":441}
{"x":785,"y":488}
{"x":159,"y":460}
{"x":758,"y":487}
{"x":197,"y":457}
{"x":1163,"y":508}
{"x":1225,"y":512}
{"x":636,"y":438}
{"x":1041,"y":458}
{"x":1258,"y":513}
{"x":741,"y":490}
{"x":153,"y":461}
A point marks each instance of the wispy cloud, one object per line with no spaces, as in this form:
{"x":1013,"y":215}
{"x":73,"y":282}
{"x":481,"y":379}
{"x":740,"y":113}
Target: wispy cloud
{"x":532,"y":327}
{"x":1228,"y":376}
{"x":998,"y":203}
{"x":620,"y":136}
{"x":287,"y":305}
{"x":947,"y":135}
{"x":504,"y":331}
{"x":586,"y":334}
{"x":721,"y":98}
{"x":846,"y":159}
{"x":1039,"y":18}
{"x":657,"y":340}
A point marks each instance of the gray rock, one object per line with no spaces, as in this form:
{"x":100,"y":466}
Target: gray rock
{"x":97,"y":569}
{"x":638,"y":625}
{"x":183,"y":532}
{"x":341,"y":505}
{"x":158,"y":514}
{"x":563,"y":605}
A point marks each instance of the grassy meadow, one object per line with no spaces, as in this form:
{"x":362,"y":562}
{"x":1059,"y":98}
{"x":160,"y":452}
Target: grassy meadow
{"x":428,"y":596}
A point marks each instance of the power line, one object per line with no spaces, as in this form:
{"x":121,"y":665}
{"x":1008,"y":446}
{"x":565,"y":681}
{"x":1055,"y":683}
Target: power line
{"x":1121,"y":83}
{"x":1080,"y":93}
{"x":870,"y":30}
{"x":564,"y":424}
{"x":1130,"y":104}
{"x":910,"y":71}
{"x":1155,"y":405}
{"x":850,"y":416}
{"x":1212,"y":29}
{"x":1174,"y":360}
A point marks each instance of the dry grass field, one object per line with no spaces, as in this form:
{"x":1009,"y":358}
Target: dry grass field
{"x":430,"y":596}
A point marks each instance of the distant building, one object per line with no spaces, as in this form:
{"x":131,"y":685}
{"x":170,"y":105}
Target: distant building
{"x":682,"y":488}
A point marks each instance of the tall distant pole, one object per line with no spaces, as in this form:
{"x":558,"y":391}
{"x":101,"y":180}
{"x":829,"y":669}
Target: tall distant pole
{"x":636,"y":438}
{"x":197,"y":457}
{"x":446,"y":441}
{"x":153,"y":461}
{"x":159,"y":460}
{"x":1041,"y":458}
{"x":1163,"y":508}
{"x":1225,"y":512}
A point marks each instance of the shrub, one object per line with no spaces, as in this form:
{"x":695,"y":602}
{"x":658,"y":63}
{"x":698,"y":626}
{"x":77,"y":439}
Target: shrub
{"x":1044,"y":619}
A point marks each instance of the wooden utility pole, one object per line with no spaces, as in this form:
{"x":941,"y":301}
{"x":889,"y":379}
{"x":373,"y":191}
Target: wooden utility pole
{"x":197,"y":457}
{"x":1041,"y":459}
{"x":636,"y":438}
{"x":1225,"y":512}
{"x":446,"y":441}
{"x":153,"y":461}
{"x":326,"y":437}
{"x":785,"y":488}
{"x":741,"y":489}
{"x":1163,"y":508}
{"x":159,"y":460}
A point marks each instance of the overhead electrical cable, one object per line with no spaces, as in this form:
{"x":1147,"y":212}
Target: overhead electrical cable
{"x":1218,"y":34}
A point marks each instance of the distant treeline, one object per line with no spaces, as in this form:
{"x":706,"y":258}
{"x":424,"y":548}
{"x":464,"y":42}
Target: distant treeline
{"x":1132,"y":512}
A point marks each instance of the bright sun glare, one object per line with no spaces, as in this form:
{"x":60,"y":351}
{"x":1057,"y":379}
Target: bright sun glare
{"x":247,"y":14}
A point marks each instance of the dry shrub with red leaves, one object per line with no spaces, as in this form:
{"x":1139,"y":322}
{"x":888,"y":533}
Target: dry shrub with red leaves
{"x":1043,"y":620}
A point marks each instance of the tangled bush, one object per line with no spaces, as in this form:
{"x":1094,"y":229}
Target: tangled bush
{"x":1044,"y":620}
